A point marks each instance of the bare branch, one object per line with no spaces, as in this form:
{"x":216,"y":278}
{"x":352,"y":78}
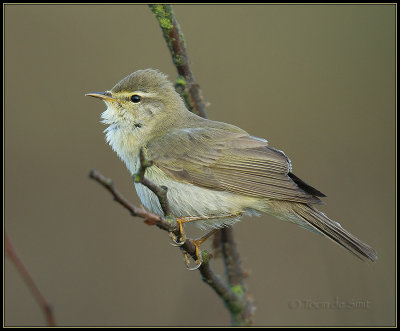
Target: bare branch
{"x":173,"y":35}
{"x":241,"y":314}
{"x":159,"y":191}
{"x":149,"y":218}
{"x":234,"y":301}
{"x":229,"y":250}
{"x":236,"y":275}
{"x":40,"y":298}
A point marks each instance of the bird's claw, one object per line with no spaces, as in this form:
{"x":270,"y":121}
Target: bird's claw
{"x":176,"y":241}
{"x":198,"y":260}
{"x":179,"y":239}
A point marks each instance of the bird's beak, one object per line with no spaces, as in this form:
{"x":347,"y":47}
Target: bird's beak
{"x":101,"y":95}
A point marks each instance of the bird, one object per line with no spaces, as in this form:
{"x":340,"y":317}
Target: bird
{"x":215,"y":172}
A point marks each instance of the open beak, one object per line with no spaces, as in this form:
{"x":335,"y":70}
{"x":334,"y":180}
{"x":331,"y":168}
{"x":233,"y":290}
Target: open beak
{"x":101,"y":95}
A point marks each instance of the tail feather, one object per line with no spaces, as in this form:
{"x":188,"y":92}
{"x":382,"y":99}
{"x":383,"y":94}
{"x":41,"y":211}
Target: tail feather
{"x":334,"y":231}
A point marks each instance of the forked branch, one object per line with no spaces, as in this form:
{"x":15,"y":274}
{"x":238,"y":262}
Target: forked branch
{"x":232,"y":298}
{"x":234,"y":291}
{"x":191,"y":93}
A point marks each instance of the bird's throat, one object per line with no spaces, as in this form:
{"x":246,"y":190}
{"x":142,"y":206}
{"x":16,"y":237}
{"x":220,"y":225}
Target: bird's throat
{"x":126,"y":142}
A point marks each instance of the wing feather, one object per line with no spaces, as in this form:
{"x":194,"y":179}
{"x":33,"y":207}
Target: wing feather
{"x":225,"y":159}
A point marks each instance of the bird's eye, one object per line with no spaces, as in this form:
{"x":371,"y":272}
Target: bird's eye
{"x":136,"y":98}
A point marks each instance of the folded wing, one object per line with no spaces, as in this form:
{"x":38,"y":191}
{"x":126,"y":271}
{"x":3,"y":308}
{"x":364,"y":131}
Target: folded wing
{"x":225,"y":158}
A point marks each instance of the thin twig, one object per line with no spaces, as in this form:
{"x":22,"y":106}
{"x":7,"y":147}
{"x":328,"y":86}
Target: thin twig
{"x":173,"y":35}
{"x":38,"y":295}
{"x":228,"y":294}
{"x":235,"y":276}
{"x":242,"y":314}
{"x":149,"y":218}
{"x":233,"y":268}
{"x":159,"y":191}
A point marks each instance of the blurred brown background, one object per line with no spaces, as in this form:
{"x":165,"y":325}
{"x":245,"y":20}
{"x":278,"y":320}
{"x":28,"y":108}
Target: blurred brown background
{"x":317,"y":81}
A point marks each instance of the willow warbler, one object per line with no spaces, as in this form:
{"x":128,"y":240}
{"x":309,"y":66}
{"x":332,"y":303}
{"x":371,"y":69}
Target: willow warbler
{"x":215,"y":172}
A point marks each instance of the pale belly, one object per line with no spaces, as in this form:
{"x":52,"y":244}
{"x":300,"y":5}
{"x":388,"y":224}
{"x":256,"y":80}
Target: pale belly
{"x":216,"y":207}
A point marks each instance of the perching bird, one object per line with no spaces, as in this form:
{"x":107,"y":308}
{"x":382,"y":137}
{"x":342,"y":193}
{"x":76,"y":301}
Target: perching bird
{"x":215,"y":172}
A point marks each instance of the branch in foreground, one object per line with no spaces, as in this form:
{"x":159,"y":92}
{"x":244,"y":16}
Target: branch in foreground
{"x":173,"y":35}
{"x":40,"y":298}
{"x":232,"y":298}
{"x":159,"y":191}
{"x":235,"y":275}
{"x":190,"y":91}
{"x":149,"y":218}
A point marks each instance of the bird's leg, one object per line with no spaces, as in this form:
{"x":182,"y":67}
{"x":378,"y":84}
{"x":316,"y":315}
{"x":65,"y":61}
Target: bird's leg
{"x":198,"y":256}
{"x":179,"y":240}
